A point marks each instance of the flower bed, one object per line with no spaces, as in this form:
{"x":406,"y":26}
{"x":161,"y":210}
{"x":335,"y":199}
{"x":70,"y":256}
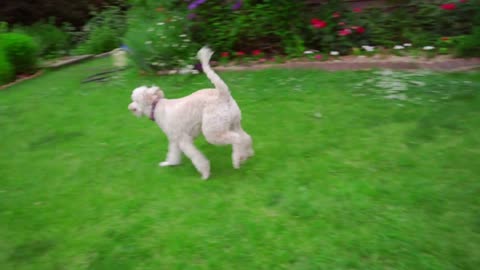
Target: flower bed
{"x":251,"y":30}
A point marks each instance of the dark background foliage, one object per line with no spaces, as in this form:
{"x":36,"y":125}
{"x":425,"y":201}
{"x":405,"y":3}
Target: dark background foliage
{"x":29,"y":12}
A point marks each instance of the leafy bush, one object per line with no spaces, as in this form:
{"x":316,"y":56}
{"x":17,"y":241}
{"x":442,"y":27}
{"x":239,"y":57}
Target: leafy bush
{"x":167,"y":34}
{"x":273,"y":26}
{"x":20,"y":50}
{"x":469,"y":46}
{"x":159,"y":43}
{"x":53,"y":41}
{"x":104,"y":31}
{"x":6,"y":69}
{"x":3,"y":27}
{"x":419,"y":22}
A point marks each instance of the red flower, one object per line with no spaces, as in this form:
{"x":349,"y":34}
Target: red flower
{"x":256,"y":52}
{"x":445,"y":38}
{"x":318,"y":23}
{"x":225,"y":54}
{"x":360,"y":30}
{"x":448,"y":6}
{"x":240,"y":53}
{"x":357,"y":10}
{"x":345,"y":32}
{"x":318,"y":57}
{"x":336,"y":15}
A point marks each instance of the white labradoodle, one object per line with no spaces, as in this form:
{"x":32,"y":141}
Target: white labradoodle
{"x":211,"y":111}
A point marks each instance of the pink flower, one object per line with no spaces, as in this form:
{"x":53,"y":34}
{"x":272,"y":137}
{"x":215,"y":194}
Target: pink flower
{"x":448,"y":6}
{"x":316,"y":23}
{"x":318,"y":57}
{"x":345,"y":32}
{"x":262,"y":60}
{"x":336,"y":15}
{"x":240,"y":53}
{"x":225,"y":54}
{"x":357,"y":10}
{"x":341,"y":23}
{"x":360,"y":30}
{"x":256,"y":52}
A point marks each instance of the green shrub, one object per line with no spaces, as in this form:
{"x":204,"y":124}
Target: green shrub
{"x":53,"y":41}
{"x":160,"y":43}
{"x":3,"y":27}
{"x":101,"y":39}
{"x":20,"y":50}
{"x":286,"y":27}
{"x":272,"y":26}
{"x":103,"y":32}
{"x":6,"y":69}
{"x":469,"y":46}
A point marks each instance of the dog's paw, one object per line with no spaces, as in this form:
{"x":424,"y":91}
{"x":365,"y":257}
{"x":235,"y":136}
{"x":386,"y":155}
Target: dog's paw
{"x":165,"y":164}
{"x":205,"y":175}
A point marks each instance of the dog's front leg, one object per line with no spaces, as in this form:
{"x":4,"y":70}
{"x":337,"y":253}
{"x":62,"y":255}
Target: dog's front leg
{"x":200,"y":162}
{"x":174,"y":155}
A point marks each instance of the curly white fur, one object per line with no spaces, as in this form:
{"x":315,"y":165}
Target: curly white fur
{"x":213,"y":112}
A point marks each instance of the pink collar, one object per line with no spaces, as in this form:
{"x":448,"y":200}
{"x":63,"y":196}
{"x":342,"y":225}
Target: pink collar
{"x":154,"y":105}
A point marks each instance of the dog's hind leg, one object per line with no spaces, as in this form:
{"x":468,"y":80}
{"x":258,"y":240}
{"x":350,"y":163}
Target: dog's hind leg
{"x":174,"y":155}
{"x":200,"y":162}
{"x":228,"y":137}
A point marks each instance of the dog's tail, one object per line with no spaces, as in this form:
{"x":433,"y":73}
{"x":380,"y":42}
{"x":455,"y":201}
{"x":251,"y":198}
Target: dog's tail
{"x":204,"y":56}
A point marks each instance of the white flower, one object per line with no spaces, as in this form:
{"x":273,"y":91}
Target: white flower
{"x":398,"y":47}
{"x":160,"y":23}
{"x":368,"y":48}
{"x":407,"y":45}
{"x":334,"y":53}
{"x":428,"y":48}
{"x":150,"y":29}
{"x":308,"y":52}
{"x":195,"y":71}
{"x":148,"y":42}
{"x":182,"y":35}
{"x":184,"y":71}
{"x":171,"y":72}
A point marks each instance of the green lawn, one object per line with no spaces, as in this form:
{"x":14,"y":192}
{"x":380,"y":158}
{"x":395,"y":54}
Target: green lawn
{"x":343,"y":177}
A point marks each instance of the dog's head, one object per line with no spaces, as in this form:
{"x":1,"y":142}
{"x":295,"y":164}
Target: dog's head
{"x":142,"y":99}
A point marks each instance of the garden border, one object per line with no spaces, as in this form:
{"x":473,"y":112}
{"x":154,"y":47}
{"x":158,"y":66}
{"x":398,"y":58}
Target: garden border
{"x":349,"y":63}
{"x":344,"y":63}
{"x":35,"y":75}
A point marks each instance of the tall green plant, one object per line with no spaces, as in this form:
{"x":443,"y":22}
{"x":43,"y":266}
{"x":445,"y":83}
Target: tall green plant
{"x":104,"y":31}
{"x":52,"y":40}
{"x":161,"y":41}
{"x":6,"y":69}
{"x":20,"y":50}
{"x":268,"y":25}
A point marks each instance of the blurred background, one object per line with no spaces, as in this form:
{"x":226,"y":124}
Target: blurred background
{"x":162,"y":35}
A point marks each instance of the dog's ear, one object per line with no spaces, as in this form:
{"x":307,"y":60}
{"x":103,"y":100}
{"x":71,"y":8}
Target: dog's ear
{"x":154,"y":93}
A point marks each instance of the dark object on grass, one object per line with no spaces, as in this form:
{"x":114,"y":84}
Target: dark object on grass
{"x":102,"y":76}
